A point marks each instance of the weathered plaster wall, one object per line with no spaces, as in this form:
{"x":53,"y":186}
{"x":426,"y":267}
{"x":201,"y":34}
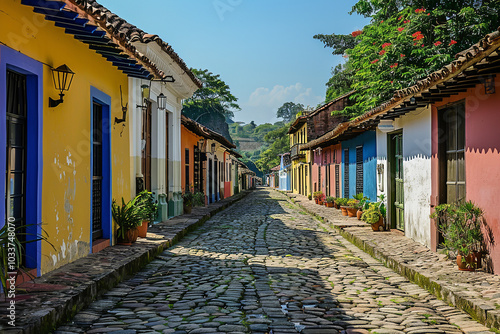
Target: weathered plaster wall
{"x":66,"y":131}
{"x":482,"y":158}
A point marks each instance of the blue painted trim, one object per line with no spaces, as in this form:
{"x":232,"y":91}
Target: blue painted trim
{"x":105,"y":100}
{"x":11,"y":59}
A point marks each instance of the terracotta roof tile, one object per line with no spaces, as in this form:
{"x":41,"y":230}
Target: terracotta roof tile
{"x":128,"y":34}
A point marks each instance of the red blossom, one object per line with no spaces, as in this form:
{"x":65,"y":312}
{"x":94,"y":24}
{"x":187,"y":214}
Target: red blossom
{"x":405,"y":22}
{"x":453,"y":42}
{"x":419,"y":10}
{"x":401,"y":29}
{"x":356,"y":33}
{"x":399,"y":18}
{"x":392,"y":82}
{"x":402,"y":55}
{"x":382,"y":21}
{"x":438,"y":43}
{"x":382,"y":52}
{"x":422,"y":45}
{"x":394,"y":65}
{"x":386,"y":45}
{"x":415,"y":34}
{"x":374,"y":61}
{"x":428,"y":14}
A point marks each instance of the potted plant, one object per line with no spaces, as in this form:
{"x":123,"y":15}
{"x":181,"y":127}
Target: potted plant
{"x":318,"y":196}
{"x":198,"y":199}
{"x":149,"y":209}
{"x":461,"y":226}
{"x":309,"y":197}
{"x":373,"y":216}
{"x":128,"y":217}
{"x":329,"y":201}
{"x":187,"y":201}
{"x":352,"y":207}
{"x":362,"y":200}
{"x":342,"y":203}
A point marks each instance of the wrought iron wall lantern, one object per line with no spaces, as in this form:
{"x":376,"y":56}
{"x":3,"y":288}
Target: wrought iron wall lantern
{"x":162,"y":101}
{"x":413,"y":100}
{"x":63,"y":77}
{"x":145,"y":91}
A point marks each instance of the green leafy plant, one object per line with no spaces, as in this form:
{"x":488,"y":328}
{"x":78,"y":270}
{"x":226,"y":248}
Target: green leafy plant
{"x":199,"y":199}
{"x":188,"y":198}
{"x":341,"y":201}
{"x":362,"y":200}
{"x":372,"y":214}
{"x":128,"y":215}
{"x":309,"y":197}
{"x":352,"y":203}
{"x":462,"y":227}
{"x":12,"y":249}
{"x":330,"y":199}
{"x":318,"y":195}
{"x":148,"y":205}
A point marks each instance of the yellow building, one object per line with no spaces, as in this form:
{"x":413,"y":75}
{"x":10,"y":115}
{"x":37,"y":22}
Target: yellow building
{"x":68,"y":158}
{"x":301,"y":168}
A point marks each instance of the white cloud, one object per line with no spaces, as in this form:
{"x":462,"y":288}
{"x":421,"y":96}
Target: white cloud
{"x":263,"y":103}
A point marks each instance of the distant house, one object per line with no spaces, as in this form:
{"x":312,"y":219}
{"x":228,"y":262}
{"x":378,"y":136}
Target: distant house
{"x":285,"y":183}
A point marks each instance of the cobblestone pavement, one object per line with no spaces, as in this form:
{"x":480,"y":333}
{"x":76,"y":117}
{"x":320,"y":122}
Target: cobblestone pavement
{"x":264,"y":266}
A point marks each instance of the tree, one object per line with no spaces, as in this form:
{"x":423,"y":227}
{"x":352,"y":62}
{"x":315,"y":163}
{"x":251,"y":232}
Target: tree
{"x":288,"y":111}
{"x":405,"y":41}
{"x":213,"y":97}
{"x":280,"y":144}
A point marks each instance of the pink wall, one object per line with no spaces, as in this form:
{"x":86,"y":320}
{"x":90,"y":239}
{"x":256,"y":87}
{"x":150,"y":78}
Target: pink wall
{"x":482,"y":158}
{"x":329,"y":156}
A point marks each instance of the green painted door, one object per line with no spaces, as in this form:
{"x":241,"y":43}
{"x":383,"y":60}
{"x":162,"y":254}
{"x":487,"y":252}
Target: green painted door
{"x":397,"y":140}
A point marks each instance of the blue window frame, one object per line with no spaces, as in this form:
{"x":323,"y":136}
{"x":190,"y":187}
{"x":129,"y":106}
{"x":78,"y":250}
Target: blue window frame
{"x":33,"y":70}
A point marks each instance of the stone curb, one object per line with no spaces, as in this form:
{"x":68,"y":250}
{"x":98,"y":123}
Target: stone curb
{"x":482,"y":313}
{"x":106,"y":270}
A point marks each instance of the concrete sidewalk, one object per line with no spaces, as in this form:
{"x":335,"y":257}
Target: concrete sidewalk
{"x":477,"y":293}
{"x":56,"y":297}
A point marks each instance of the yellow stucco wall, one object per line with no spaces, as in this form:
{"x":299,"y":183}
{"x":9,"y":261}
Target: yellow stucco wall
{"x":300,"y":167}
{"x":66,"y":197}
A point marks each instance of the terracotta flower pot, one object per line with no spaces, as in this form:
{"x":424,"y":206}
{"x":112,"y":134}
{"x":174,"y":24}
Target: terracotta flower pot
{"x":344,"y":210}
{"x":351,"y":212}
{"x":336,"y":206}
{"x":320,"y":203}
{"x":469,"y":264}
{"x":188,"y":209}
{"x":316,"y":200}
{"x":130,"y":237}
{"x":329,"y":205}
{"x":359,"y":214}
{"x":143,"y":229}
{"x":378,"y":226}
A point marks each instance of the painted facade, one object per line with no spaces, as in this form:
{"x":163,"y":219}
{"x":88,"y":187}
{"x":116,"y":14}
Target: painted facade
{"x":285,"y":183}
{"x":301,"y":169}
{"x":59,"y":143}
{"x":326,"y":170}
{"x":359,"y":166}
{"x":415,"y":131}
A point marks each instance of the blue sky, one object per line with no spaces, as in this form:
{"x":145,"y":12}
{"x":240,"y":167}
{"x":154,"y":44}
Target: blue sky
{"x":264,"y":50}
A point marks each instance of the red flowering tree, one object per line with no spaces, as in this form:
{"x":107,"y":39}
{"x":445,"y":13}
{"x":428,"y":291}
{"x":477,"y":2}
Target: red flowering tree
{"x":406,"y":41}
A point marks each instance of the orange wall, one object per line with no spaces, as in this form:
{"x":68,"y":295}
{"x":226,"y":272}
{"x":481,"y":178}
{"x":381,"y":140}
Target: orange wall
{"x":188,"y":141}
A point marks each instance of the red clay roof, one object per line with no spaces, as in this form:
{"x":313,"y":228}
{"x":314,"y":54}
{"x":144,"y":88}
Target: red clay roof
{"x":127,"y":33}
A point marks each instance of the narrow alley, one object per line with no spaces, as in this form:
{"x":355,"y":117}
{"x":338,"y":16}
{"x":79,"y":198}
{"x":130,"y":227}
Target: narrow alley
{"x":265,"y":266}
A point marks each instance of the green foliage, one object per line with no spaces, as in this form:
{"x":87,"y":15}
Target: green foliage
{"x":341,"y":201}
{"x":12,"y":249}
{"x":405,"y":41}
{"x":279,"y":144}
{"x":128,"y":215}
{"x":199,"y":199}
{"x":352,"y":203}
{"x":372,"y":214}
{"x":148,"y":205}
{"x":461,"y":226}
{"x":340,"y":83}
{"x":318,"y":195}
{"x":288,"y":111}
{"x":309,"y":197}
{"x":214,"y":97}
{"x":330,"y":199}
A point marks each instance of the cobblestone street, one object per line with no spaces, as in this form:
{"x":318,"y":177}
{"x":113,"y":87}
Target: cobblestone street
{"x":265,"y":266}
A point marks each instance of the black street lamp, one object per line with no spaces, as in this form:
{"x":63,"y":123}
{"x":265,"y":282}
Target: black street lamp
{"x":63,"y":77}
